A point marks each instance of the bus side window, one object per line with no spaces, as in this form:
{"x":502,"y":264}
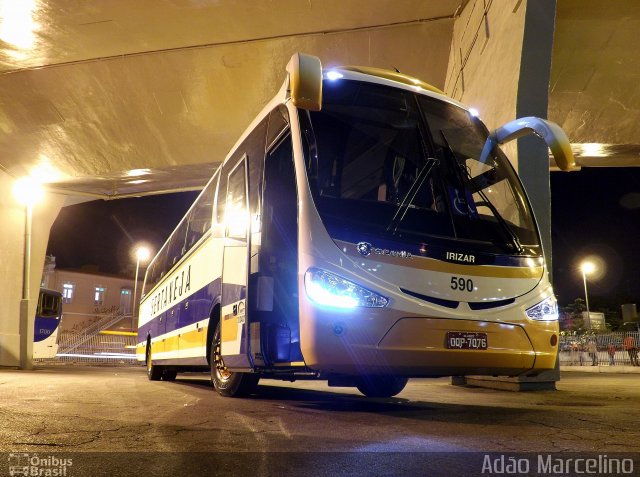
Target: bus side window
{"x":236,"y":218}
{"x":200,"y":216}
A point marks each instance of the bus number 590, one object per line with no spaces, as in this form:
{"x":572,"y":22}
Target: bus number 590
{"x":459,"y":283}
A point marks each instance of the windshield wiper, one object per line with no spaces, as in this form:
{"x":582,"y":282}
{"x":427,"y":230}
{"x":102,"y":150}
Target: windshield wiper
{"x":511,"y":235}
{"x":408,"y":198}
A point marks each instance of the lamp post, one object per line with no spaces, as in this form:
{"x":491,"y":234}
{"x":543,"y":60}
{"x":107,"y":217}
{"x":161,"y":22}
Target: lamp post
{"x":142,"y":254}
{"x":28,"y":192}
{"x":587,"y":268}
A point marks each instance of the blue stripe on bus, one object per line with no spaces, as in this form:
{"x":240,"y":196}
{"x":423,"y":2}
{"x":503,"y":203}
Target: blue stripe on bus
{"x":200,"y":305}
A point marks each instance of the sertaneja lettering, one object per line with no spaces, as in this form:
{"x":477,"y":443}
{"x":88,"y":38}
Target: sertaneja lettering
{"x":172,"y":291}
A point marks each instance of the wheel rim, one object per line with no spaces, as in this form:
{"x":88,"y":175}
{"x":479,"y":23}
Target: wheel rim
{"x":222,"y":374}
{"x":149,"y":363}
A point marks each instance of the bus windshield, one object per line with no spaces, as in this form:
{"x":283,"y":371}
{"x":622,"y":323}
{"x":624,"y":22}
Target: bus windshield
{"x":391,"y":162}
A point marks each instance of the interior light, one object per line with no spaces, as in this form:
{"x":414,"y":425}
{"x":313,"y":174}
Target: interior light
{"x":474,"y":112}
{"x":334,"y":75}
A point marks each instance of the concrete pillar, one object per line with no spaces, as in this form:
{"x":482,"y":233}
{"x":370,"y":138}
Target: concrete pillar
{"x":12,"y":217}
{"x":500,"y":63}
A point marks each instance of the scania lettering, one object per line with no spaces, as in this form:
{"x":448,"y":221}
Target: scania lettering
{"x":365,"y":229}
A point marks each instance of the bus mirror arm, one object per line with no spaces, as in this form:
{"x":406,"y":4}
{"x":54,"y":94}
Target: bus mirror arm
{"x":550,"y":132}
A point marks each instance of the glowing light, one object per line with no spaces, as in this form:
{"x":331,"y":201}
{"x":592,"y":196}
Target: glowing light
{"x":96,"y":356}
{"x":587,"y":267}
{"x":328,"y":289}
{"x":593,"y":150}
{"x":138,"y":181}
{"x":334,"y":75}
{"x":138,"y":172}
{"x":28,"y":191}
{"x":474,"y":112}
{"x":546,"y":310}
{"x":143,"y":253}
{"x":236,"y":219}
{"x":17,"y":25}
{"x":46,"y":172}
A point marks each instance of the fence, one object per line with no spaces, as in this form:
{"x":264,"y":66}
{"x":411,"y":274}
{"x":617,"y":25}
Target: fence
{"x":574,"y":349}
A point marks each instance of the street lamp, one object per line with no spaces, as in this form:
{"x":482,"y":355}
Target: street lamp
{"x":142,"y":255}
{"x":587,"y":268}
{"x":28,"y":192}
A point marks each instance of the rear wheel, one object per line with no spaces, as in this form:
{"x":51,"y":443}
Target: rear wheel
{"x":169,"y":375}
{"x":227,"y":383}
{"x":381,"y":386}
{"x":154,"y":372}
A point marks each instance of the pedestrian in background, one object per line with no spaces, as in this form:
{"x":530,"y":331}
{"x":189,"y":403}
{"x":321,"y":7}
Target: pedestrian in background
{"x":611,"y":349}
{"x":592,"y":349}
{"x":631,"y":348}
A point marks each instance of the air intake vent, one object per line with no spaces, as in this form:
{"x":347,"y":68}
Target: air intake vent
{"x":486,"y":305}
{"x":430,"y":299}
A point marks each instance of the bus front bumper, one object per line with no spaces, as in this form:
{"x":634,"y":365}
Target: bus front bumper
{"x":376,"y":343}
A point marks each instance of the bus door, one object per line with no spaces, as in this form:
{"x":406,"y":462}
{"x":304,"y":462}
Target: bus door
{"x":233,"y":317}
{"x":280,"y":252}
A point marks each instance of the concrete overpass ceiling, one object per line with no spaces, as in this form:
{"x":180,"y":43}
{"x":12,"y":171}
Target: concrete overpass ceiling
{"x":119,"y":97}
{"x":595,"y":80}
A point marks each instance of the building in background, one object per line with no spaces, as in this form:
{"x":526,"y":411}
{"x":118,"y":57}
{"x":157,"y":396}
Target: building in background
{"x":90,"y":296}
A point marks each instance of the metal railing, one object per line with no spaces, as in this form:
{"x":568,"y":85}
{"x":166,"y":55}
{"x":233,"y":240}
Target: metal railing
{"x":575,"y":349}
{"x":102,"y":349}
{"x":92,"y":344}
{"x":69,"y":341}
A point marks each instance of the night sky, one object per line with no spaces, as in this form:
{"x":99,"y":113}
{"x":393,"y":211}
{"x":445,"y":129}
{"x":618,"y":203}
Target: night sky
{"x":104,"y":233}
{"x":594,"y":212}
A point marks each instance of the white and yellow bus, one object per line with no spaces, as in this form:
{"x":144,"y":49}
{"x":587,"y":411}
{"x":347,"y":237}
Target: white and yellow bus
{"x":364,"y":229}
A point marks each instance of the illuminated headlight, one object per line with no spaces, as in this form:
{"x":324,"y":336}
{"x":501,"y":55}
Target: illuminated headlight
{"x":546,"y":310}
{"x":328,"y":289}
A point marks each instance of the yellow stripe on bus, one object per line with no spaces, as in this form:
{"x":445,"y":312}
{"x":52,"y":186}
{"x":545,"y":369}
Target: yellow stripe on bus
{"x":119,"y":333}
{"x":229,"y":328}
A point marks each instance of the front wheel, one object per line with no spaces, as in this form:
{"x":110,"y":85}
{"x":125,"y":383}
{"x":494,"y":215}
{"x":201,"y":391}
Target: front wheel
{"x":381,"y":386}
{"x":227,"y":383}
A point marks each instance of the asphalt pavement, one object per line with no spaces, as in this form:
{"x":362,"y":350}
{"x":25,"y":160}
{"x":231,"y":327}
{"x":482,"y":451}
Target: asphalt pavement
{"x":113,"y":421}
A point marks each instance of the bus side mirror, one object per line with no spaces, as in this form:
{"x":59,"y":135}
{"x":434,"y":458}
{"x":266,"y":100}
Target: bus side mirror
{"x":305,"y":81}
{"x":550,"y":132}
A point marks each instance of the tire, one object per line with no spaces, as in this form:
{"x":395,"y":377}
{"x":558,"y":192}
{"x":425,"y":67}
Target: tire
{"x":381,"y":386}
{"x":169,"y":375}
{"x":154,"y":372}
{"x":227,"y":383}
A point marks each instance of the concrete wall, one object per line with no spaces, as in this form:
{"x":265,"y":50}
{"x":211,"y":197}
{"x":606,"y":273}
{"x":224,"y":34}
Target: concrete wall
{"x":12,"y":216}
{"x":484,"y":60}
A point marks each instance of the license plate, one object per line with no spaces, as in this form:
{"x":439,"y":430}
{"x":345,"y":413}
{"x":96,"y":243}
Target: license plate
{"x":466,"y":340}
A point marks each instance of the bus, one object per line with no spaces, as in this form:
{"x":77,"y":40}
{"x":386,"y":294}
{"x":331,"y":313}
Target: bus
{"x":47,"y":323}
{"x":364,"y":229}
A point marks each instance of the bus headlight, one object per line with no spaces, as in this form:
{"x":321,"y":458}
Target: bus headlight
{"x":326,"y":288}
{"x":546,"y":310}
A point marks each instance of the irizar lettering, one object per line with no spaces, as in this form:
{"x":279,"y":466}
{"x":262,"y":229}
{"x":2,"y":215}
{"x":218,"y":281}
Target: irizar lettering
{"x":461,"y":257}
{"x":172,"y":292}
